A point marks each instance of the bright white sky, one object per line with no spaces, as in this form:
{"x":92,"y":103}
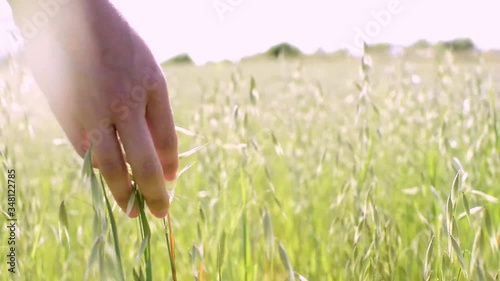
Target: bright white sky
{"x":252,"y":26}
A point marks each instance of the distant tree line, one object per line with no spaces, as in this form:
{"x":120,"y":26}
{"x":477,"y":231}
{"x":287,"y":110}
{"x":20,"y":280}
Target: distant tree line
{"x":289,"y":51}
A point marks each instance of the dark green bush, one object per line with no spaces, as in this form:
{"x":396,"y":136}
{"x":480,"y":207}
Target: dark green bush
{"x":379,"y":48}
{"x":180,"y":59}
{"x":421,"y":44}
{"x":460,"y":44}
{"x":284,"y":49}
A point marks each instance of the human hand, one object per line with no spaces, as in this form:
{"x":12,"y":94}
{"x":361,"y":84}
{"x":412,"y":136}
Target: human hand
{"x":106,"y":90}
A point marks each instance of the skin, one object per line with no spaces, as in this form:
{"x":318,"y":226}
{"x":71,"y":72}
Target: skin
{"x":105,"y":89}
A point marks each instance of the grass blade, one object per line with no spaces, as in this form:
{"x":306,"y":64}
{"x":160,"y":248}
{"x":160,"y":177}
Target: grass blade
{"x":221,"y":253}
{"x":185,"y":131}
{"x":142,"y":248}
{"x":268,"y":234}
{"x":487,"y":197}
{"x":114,"y":232}
{"x":87,"y":164}
{"x":191,"y":151}
{"x":170,"y":245}
{"x":428,"y":256}
{"x":130,"y":204}
{"x":460,"y":256}
{"x":146,"y":232}
{"x":93,"y":256}
{"x":63,"y":215}
{"x":301,"y":278}
{"x":286,"y":262}
{"x":136,"y":276}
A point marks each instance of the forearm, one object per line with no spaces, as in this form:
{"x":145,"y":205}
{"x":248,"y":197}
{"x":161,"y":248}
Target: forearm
{"x":78,"y":26}
{"x":43,"y":14}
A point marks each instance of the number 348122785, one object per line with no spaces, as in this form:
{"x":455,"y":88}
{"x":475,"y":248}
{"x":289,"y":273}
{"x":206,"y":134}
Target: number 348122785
{"x":11,"y":193}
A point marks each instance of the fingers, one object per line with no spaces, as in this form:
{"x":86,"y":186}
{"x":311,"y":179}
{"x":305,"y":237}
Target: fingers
{"x":76,"y":135}
{"x":74,"y":131}
{"x":146,"y":167}
{"x":161,"y":125}
{"x":109,"y":156}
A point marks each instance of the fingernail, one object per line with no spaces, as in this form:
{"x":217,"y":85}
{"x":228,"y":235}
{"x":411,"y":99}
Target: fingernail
{"x":160,"y":214}
{"x":134,"y":213}
{"x":171,"y":177}
{"x":170,"y":172}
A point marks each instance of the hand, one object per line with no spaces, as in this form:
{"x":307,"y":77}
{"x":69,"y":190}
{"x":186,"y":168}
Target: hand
{"x":105,"y":88}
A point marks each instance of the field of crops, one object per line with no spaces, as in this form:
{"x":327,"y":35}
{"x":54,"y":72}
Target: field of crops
{"x":325,"y":167}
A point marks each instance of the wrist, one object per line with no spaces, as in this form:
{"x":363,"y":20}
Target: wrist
{"x":37,"y":18}
{"x":74,"y":25}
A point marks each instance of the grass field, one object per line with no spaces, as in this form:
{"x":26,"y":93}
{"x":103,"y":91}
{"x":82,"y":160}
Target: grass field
{"x":323,"y":168}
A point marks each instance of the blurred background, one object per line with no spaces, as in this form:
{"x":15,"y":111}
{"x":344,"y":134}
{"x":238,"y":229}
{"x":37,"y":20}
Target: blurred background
{"x":304,"y":154}
{"x":215,"y":30}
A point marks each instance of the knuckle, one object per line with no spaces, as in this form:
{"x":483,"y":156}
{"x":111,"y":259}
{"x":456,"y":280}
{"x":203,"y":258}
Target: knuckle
{"x":168,"y":143}
{"x":110,"y":166}
{"x":149,"y":168}
{"x":155,"y":79}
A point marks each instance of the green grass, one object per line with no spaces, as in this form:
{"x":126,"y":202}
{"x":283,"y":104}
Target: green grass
{"x":317,"y":168}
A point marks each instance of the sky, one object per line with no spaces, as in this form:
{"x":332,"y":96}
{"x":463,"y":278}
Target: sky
{"x":214,"y":30}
